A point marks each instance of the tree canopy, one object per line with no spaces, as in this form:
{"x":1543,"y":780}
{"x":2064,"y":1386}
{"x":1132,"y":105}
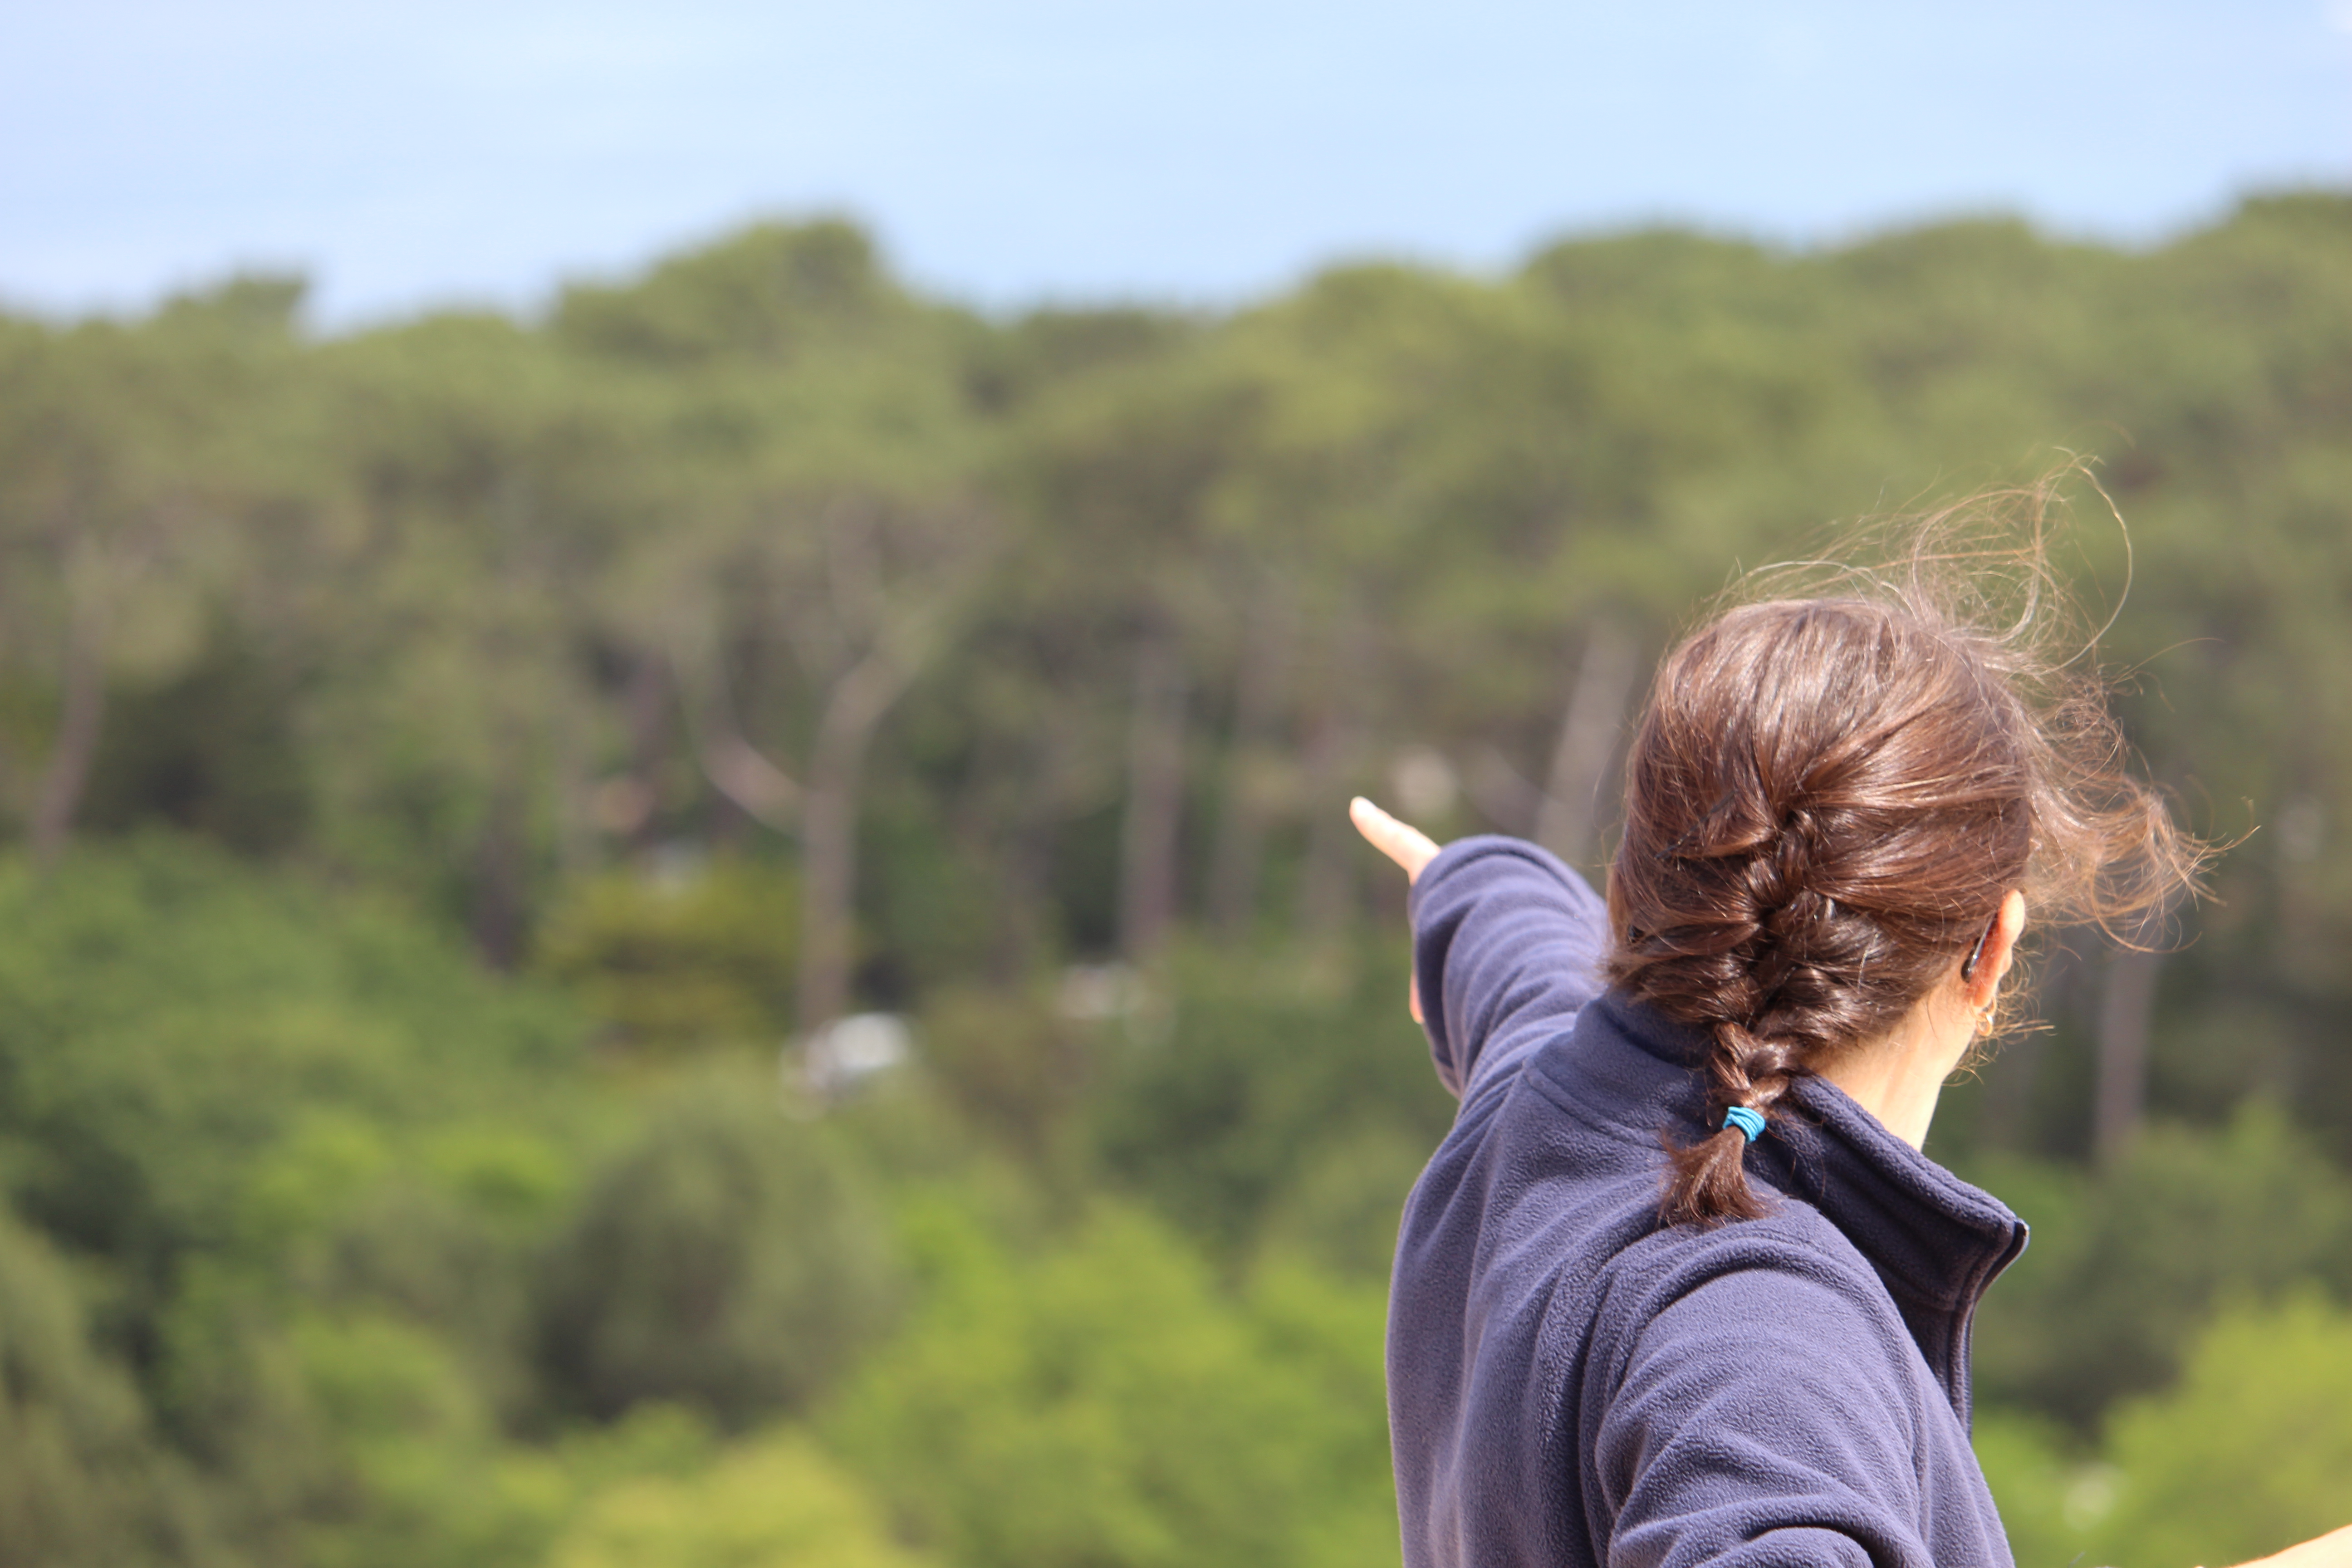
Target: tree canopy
{"x":450,"y":774}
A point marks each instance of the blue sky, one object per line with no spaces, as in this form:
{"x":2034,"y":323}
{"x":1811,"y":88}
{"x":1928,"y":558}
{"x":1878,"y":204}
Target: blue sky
{"x":1048,"y":150}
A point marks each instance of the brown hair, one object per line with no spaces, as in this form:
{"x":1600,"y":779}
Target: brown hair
{"x":1830,"y":793}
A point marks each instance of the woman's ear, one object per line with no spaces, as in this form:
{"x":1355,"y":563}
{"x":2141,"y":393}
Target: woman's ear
{"x":1993,"y":959}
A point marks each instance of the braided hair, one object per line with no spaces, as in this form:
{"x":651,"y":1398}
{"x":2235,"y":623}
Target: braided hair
{"x":1827,"y":800}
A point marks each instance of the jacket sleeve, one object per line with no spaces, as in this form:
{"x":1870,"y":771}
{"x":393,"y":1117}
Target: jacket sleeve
{"x":1507,"y":947}
{"x":1763,"y":1422}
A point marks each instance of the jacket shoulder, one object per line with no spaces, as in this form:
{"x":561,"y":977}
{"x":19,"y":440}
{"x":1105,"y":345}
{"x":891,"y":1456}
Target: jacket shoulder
{"x":1792,"y":1276}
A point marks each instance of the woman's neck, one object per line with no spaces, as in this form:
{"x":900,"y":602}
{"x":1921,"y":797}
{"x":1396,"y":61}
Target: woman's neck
{"x":1898,"y":1078}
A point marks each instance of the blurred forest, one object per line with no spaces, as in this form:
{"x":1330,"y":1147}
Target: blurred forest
{"x":460,"y":775}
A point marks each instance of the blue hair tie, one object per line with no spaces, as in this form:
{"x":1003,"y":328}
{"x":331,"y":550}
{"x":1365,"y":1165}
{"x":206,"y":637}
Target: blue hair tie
{"x":1749,"y":1122}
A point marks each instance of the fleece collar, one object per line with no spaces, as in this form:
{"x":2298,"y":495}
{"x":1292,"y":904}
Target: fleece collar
{"x":1935,"y":1241}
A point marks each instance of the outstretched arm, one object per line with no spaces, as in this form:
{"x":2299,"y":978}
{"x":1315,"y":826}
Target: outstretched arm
{"x":1406,"y":845}
{"x":1507,"y":944}
{"x":2332,"y":1549}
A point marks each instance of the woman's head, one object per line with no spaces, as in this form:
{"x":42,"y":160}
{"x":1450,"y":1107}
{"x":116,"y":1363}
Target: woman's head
{"x":1828,"y":798}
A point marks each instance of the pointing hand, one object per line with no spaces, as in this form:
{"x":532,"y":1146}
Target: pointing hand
{"x":1408,"y":845}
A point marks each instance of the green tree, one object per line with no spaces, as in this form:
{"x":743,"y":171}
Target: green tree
{"x":82,"y":1479}
{"x":727,"y":1259}
{"x":2251,"y":1453}
{"x":772,"y":1501}
{"x":823,"y":538}
{"x":1276,"y":1097}
{"x":2126,"y":1265}
{"x":118,"y":485}
{"x":1103,"y":1403}
{"x":700,"y":956}
{"x":493,"y":482}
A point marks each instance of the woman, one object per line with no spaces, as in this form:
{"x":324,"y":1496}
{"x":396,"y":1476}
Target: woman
{"x":1680,"y":1285}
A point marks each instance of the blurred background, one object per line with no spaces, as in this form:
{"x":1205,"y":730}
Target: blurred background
{"x":676,"y":689}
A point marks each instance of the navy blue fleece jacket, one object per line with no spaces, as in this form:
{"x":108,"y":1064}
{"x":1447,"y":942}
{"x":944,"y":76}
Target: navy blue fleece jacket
{"x":1572,"y":1383}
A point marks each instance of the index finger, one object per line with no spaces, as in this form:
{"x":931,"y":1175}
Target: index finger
{"x":1402,"y":842}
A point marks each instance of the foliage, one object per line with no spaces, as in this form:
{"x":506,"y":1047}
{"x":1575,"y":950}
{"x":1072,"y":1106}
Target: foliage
{"x":773,"y":1501}
{"x":725,"y":1259}
{"x":1010,"y":673}
{"x":2247,"y":1454}
{"x":672,"y":959}
{"x":1103,"y":1403}
{"x":2126,"y":1266}
{"x":1281,"y":1089}
{"x":2047,"y":1495}
{"x":2251,"y":1453}
{"x":408,"y":1467}
{"x":165,"y":1023}
{"x":1011,"y":1063}
{"x":211,"y":751}
{"x":83,"y":1482}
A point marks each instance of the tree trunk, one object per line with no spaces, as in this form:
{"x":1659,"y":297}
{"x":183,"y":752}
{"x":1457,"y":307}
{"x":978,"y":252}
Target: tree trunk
{"x":1024,"y":871}
{"x":81,"y":720}
{"x":572,"y":788}
{"x":1588,"y":744}
{"x":1055,"y":757}
{"x":1155,"y":800}
{"x":751,"y":787}
{"x":828,"y":826}
{"x":646,"y":710}
{"x":2125,"y":1005}
{"x":1326,"y":884}
{"x":499,"y":854}
{"x":828,"y":888}
{"x":1258,"y":690}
